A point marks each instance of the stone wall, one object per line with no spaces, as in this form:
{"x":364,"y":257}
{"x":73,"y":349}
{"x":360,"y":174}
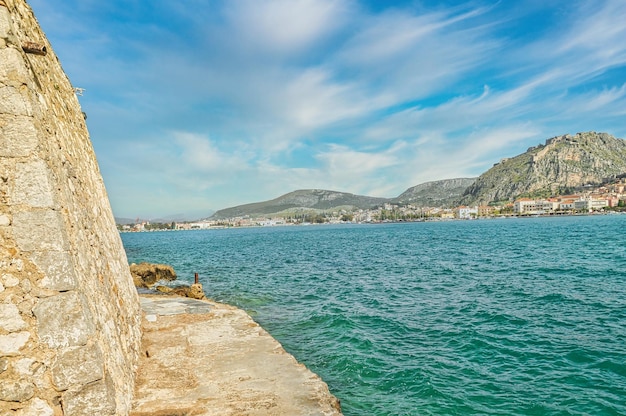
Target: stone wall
{"x":69,"y":313}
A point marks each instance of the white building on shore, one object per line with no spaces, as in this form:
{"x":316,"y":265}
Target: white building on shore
{"x":527,"y":206}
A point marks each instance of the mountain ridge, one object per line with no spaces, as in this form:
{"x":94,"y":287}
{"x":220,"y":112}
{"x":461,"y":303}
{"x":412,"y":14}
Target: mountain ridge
{"x":320,"y":200}
{"x":561,"y":165}
{"x":302,"y":200}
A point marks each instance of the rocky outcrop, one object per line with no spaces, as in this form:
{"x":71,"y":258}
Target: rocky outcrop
{"x":69,"y":314}
{"x":146,"y":275}
{"x":194,"y":291}
{"x":561,"y":165}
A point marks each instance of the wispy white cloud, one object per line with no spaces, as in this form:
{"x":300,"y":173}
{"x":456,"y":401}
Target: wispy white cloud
{"x":583,"y":45}
{"x":598,"y":28}
{"x":199,"y":158}
{"x":237,"y":101}
{"x":284,"y":27}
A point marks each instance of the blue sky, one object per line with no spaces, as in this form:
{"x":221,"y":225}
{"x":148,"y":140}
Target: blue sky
{"x":198,"y":105}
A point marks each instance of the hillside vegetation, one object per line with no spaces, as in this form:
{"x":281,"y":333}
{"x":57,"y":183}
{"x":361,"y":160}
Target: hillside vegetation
{"x":306,"y":200}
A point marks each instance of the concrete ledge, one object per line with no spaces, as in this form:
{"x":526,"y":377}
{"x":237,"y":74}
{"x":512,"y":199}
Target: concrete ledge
{"x":217,"y":361}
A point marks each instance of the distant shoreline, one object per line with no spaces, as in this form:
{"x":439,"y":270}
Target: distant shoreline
{"x":511,"y":216}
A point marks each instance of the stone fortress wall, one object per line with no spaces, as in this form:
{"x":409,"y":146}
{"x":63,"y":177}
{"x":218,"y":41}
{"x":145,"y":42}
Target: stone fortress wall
{"x":69,"y":313}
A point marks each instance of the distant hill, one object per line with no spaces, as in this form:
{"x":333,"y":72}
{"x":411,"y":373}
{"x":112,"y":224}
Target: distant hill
{"x":564,"y":164}
{"x":435,"y":194}
{"x":441,"y":193}
{"x":305,"y":200}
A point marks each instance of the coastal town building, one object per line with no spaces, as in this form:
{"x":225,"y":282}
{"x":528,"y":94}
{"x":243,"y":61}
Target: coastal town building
{"x":486,"y":210}
{"x":447,"y":214}
{"x":591,"y":203}
{"x":566,"y":203}
{"x":527,"y":206}
{"x":465,"y":213}
{"x":596,"y":199}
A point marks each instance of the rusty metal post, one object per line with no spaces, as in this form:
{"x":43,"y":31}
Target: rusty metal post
{"x":196,"y":278}
{"x":35,"y":48}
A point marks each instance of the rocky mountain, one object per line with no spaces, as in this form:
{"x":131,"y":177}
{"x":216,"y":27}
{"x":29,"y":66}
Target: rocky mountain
{"x":441,"y":193}
{"x":562,"y":165}
{"x":300,"y":201}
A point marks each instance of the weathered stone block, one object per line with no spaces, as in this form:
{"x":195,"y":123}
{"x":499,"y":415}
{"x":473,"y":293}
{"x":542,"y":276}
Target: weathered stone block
{"x":36,"y":407}
{"x":10,"y":319}
{"x":64,"y":320}
{"x":16,"y":390}
{"x":7,"y":167}
{"x":57,"y":268}
{"x":12,"y":102}
{"x":24,"y":366}
{"x":5,"y":23}
{"x":12,"y":67}
{"x":18,"y":137}
{"x":77,"y":366}
{"x":95,"y":399}
{"x":26,"y":285}
{"x":32,"y":185}
{"x":39,"y":230}
{"x":27,"y":304}
{"x":11,"y":344}
{"x":9,"y":280}
{"x":17,"y":264}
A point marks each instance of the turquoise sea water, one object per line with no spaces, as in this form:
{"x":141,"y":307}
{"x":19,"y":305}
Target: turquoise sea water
{"x":506,"y":317}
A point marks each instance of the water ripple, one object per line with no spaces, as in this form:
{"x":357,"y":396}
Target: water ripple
{"x":516,"y":317}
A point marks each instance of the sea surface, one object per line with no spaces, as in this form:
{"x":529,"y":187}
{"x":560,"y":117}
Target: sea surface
{"x":504,"y":316}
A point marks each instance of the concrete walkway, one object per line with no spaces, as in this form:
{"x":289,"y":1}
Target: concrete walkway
{"x":206,"y":358}
{"x":154,"y":306}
